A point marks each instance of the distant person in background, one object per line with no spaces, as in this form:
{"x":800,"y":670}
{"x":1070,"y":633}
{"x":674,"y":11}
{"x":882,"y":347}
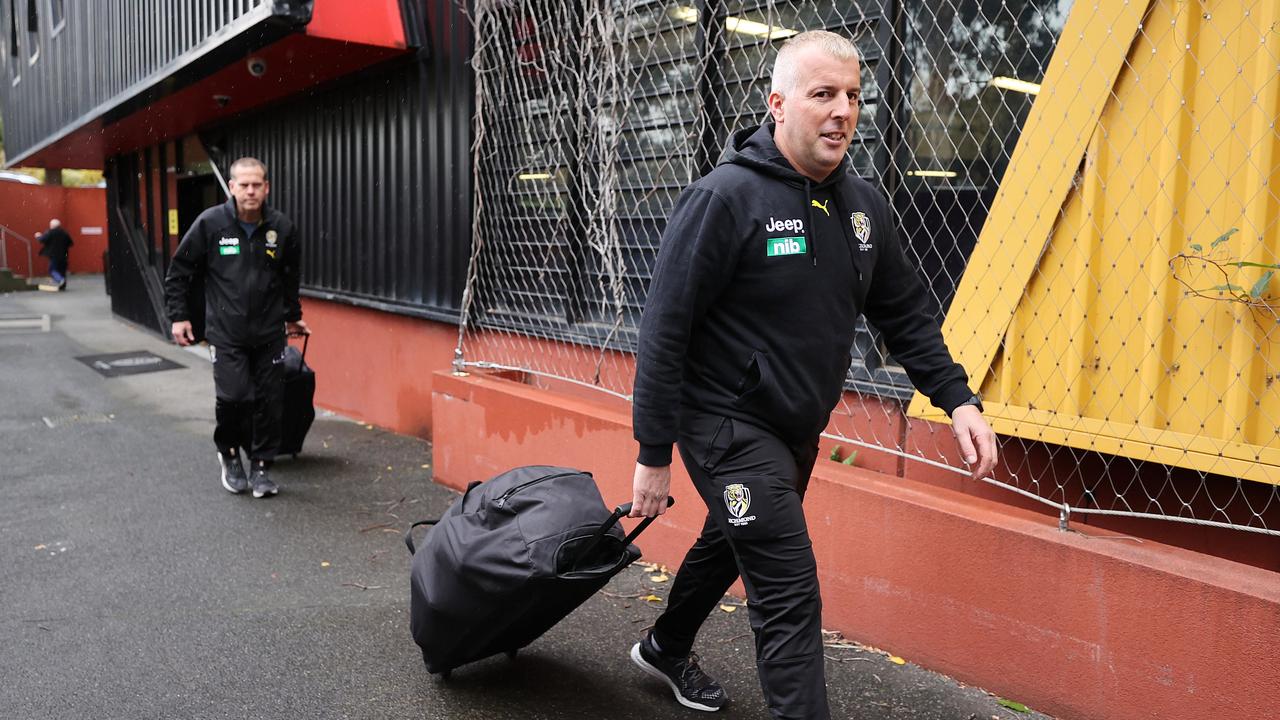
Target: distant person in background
{"x":55,"y":245}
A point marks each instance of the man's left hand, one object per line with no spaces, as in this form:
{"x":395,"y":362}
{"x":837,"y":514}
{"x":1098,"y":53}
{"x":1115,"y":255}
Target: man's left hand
{"x":297,"y":328}
{"x":977,"y":440}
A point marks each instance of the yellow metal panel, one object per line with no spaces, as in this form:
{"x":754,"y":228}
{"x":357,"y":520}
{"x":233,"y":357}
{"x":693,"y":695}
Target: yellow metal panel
{"x":1069,"y":312}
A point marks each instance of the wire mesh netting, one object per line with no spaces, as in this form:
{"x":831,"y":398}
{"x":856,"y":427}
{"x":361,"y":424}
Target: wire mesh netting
{"x":1089,"y":193}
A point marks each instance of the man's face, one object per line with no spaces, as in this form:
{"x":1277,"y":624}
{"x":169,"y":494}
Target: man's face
{"x":817,"y":118}
{"x":249,"y":187}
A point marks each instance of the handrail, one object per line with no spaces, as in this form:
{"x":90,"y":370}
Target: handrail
{"x":5,"y":232}
{"x":218,"y":175}
{"x":151,"y":281}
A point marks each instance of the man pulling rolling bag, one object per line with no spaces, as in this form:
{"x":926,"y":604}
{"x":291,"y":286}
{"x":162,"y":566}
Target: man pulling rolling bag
{"x":511,"y":558}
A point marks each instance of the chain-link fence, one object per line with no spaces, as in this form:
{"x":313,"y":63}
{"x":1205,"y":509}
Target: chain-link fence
{"x":1089,"y":193}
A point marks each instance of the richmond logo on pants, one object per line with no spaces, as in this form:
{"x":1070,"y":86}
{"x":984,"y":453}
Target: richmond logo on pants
{"x":737,"y":498}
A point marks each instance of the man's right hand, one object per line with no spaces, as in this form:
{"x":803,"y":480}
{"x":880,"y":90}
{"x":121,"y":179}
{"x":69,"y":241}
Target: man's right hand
{"x":649,"y":490}
{"x":182,"y":333}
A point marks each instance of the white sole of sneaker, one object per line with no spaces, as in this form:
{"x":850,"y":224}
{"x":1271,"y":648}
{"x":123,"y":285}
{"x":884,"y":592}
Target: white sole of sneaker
{"x":226,"y":483}
{"x":644,"y":665}
{"x":259,"y":494}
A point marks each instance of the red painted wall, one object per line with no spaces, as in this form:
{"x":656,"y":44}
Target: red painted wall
{"x":374,"y":366}
{"x":1079,"y":625}
{"x":28,"y":209}
{"x":419,"y":347}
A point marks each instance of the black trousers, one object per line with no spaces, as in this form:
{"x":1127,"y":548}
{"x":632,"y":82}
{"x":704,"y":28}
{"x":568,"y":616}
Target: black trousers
{"x":753,"y":484}
{"x":249,"y":384}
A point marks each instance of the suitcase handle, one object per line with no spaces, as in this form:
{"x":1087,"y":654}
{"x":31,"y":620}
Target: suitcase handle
{"x":306,"y":339}
{"x":624,"y":510}
{"x":617,"y":515}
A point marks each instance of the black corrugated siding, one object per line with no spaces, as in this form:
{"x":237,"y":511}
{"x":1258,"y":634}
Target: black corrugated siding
{"x":376,"y":172}
{"x":107,"y":53}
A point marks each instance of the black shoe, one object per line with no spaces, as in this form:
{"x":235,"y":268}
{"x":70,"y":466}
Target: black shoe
{"x":692,"y":687}
{"x":233,"y":477}
{"x":261,"y":482}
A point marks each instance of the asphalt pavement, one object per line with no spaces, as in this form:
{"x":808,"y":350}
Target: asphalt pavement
{"x":133,"y":586}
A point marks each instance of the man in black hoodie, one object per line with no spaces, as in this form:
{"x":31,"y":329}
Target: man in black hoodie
{"x":56,"y":245}
{"x":248,"y":255}
{"x":763,"y":269}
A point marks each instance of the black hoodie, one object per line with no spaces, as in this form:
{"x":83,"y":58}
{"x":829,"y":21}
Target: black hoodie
{"x":251,"y":283}
{"x":760,"y":278}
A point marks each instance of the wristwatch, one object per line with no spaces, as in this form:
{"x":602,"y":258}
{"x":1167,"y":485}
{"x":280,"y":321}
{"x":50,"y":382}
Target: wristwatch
{"x":974,"y":400}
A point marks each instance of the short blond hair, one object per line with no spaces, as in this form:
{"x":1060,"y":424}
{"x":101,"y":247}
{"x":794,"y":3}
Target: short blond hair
{"x":784,"y":66}
{"x":248,"y":162}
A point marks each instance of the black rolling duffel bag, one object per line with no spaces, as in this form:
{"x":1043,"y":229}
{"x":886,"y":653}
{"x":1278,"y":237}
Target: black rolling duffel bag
{"x":299,"y":400}
{"x":511,"y":558}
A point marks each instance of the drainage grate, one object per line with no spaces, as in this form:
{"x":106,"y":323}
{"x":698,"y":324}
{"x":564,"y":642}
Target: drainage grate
{"x":128,"y":363}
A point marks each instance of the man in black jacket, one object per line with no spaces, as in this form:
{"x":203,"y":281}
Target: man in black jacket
{"x":248,"y":255}
{"x":763,"y":269}
{"x":56,"y":245}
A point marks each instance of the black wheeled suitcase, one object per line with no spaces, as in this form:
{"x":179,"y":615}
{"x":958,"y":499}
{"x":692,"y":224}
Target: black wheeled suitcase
{"x":299,"y":399}
{"x":511,"y":558}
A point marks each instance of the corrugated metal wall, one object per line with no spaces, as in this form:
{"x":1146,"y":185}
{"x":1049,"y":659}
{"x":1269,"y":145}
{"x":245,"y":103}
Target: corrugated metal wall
{"x":376,"y":171}
{"x":83,"y":55}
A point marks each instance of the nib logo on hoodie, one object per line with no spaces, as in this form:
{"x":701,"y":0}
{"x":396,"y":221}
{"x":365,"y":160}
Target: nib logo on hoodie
{"x":777,"y":246}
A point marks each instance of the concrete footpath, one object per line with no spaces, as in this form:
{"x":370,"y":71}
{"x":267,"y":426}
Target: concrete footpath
{"x":133,"y":586}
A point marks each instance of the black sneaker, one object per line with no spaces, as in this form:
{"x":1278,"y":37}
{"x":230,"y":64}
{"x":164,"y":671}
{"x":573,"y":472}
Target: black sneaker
{"x":233,"y":477}
{"x":692,"y":687}
{"x":261,"y":482}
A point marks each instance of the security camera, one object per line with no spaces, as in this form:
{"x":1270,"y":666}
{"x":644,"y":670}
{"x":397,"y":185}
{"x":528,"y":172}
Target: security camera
{"x":221,"y":100}
{"x":257,"y":66}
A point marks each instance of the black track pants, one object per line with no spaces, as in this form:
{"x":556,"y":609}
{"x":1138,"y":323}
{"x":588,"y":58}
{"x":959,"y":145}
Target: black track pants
{"x":753,"y":485}
{"x":249,"y":383}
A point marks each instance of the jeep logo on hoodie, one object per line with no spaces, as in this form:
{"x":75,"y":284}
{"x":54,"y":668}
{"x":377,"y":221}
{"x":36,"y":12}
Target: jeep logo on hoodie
{"x":778,"y":246}
{"x":795,"y":225}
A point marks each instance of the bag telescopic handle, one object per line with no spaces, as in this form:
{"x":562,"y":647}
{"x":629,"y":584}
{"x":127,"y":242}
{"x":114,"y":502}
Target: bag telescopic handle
{"x":624,"y":510}
{"x":617,"y":515}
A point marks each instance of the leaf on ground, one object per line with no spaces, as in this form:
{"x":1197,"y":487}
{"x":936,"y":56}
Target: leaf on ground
{"x":660,"y":578}
{"x":897,"y":660}
{"x":651,"y":598}
{"x":41,"y":547}
{"x":388,"y":467}
{"x":728,"y":608}
{"x":324,"y":563}
{"x":425,"y":466}
{"x":1012,"y":705}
